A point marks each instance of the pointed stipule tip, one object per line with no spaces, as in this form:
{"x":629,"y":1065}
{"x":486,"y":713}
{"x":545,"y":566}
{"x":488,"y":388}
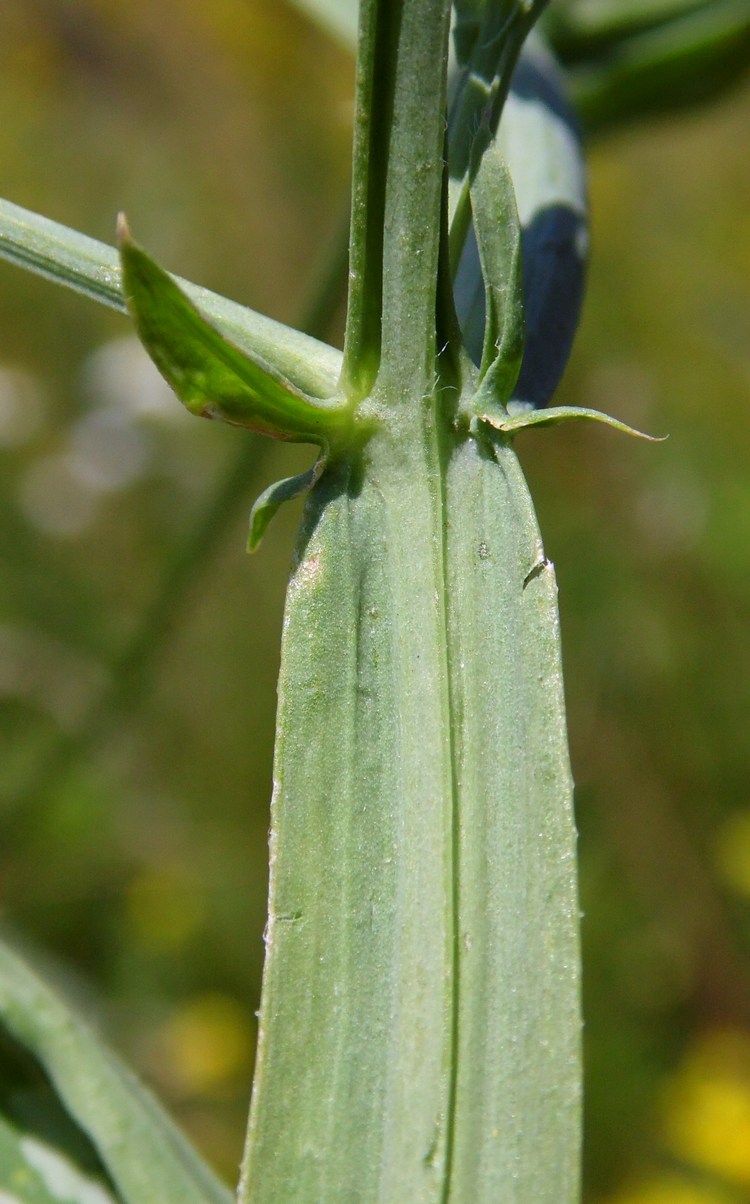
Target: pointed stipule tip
{"x":123,"y":230}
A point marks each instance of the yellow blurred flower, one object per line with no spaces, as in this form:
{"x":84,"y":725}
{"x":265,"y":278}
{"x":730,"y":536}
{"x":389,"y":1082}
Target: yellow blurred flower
{"x":707,"y":1107}
{"x":732,"y":852}
{"x":669,"y":1189}
{"x":207,"y":1044}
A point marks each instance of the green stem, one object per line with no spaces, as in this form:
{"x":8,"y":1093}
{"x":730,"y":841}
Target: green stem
{"x":419,"y":1023}
{"x":398,"y":169}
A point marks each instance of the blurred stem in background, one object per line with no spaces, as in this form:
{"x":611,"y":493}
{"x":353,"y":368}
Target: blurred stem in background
{"x":632,"y":59}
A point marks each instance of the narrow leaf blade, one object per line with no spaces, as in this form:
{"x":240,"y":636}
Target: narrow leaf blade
{"x":498,"y":233}
{"x":630,"y":61}
{"x":44,"y":1172}
{"x":511,"y":423}
{"x":352,"y":1085}
{"x":517,"y":1103}
{"x":147,"y":1158}
{"x":274,"y":497}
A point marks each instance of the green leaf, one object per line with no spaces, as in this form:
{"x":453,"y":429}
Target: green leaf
{"x":34,"y":1171}
{"x":275,"y":496}
{"x":498,"y":233}
{"x":489,"y":37}
{"x":92,"y":268}
{"x":553,"y":415}
{"x":465,"y":28}
{"x":518,"y":1091}
{"x":36,"y":1132}
{"x":148,"y":1160}
{"x":208,"y":373}
{"x":491,"y":34}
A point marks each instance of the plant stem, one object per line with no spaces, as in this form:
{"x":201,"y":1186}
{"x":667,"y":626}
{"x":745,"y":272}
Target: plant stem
{"x":419,"y":1025}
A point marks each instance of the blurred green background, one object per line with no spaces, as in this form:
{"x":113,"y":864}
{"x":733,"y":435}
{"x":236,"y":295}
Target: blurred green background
{"x":139,"y":643}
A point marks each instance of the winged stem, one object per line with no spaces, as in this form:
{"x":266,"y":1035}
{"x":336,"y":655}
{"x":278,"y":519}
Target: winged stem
{"x":419,"y":1026}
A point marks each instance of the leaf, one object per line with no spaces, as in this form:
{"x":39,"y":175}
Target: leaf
{"x":629,"y":61}
{"x":147,"y":1158}
{"x":518,"y":1092}
{"x":275,"y":496}
{"x":498,"y":234}
{"x":208,"y":373}
{"x":43,"y":1172}
{"x":92,"y":268}
{"x":608,"y":21}
{"x":538,"y":138}
{"x":556,"y":414}
{"x":489,"y":39}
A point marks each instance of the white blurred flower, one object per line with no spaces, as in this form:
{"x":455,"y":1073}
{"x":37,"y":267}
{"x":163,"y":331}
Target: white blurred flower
{"x":55,"y":500}
{"x":106,"y":451}
{"x":119,"y":376}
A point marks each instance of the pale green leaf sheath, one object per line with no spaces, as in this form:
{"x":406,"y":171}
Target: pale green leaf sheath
{"x":420,"y":1017}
